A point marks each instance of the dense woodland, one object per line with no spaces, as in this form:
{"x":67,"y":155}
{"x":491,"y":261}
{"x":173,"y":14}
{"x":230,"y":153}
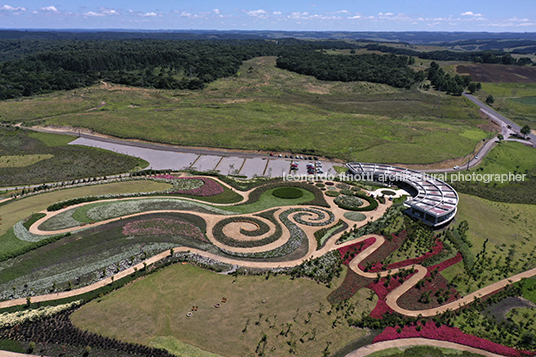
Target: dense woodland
{"x":34,"y":66}
{"x":389,"y":69}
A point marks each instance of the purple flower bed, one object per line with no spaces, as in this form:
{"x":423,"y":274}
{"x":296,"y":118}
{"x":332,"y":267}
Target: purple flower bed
{"x":209,"y":188}
{"x":162,"y":226}
{"x":445,"y":333}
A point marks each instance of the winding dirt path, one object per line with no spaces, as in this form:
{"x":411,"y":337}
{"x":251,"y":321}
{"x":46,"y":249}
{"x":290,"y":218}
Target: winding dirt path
{"x":212,"y":219}
{"x":409,"y":342}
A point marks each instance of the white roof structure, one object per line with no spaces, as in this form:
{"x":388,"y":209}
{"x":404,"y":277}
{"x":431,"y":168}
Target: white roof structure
{"x":436,"y":201}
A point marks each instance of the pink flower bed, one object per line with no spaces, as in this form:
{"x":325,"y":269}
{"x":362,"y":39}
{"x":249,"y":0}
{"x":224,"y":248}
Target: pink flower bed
{"x":209,"y":188}
{"x":444,"y":265}
{"x":452,"y":334}
{"x":162,"y":226}
{"x":355,"y":248}
{"x":382,"y":292}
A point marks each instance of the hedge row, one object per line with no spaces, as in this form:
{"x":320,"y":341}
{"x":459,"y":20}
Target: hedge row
{"x":319,"y":234}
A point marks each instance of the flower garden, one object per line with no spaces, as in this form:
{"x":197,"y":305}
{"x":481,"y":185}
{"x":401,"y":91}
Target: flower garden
{"x":276,"y":227}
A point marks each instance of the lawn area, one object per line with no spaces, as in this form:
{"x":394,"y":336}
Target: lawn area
{"x":508,"y":231}
{"x":267,"y":200}
{"x":52,"y":139}
{"x":13,"y":212}
{"x":378,"y":122}
{"x":157,"y":305}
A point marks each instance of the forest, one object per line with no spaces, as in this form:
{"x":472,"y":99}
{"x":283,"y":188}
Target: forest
{"x":473,"y":56}
{"x":388,"y":69}
{"x":36,"y":66}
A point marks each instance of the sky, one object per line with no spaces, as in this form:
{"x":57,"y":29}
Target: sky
{"x":296,"y":15}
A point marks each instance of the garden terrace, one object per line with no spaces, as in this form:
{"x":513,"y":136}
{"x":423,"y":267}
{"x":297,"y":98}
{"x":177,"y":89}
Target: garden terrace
{"x":435,"y":201}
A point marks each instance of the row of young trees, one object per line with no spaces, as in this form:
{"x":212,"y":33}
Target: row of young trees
{"x":454,"y":85}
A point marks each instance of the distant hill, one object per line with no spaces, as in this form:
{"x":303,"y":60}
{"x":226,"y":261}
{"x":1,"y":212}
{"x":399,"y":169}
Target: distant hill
{"x":421,"y":37}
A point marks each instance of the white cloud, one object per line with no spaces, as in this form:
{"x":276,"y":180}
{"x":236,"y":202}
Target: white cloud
{"x":276,"y":13}
{"x":257,"y":13}
{"x":216,"y":11}
{"x":470,"y":13}
{"x":91,"y":13}
{"x":49,"y":8}
{"x":11,"y":8}
{"x":149,"y":14}
{"x":386,"y":14}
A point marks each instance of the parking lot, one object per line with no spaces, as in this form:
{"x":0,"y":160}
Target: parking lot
{"x":250,"y":165}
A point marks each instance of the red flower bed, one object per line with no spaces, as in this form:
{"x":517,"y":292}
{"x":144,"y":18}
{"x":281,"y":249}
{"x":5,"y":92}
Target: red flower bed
{"x":355,"y":249}
{"x":382,"y":291}
{"x":349,"y":287}
{"x":209,"y":188}
{"x":434,"y":285}
{"x":384,"y":251}
{"x":409,"y":262}
{"x":445,"y":333}
{"x":444,"y":265}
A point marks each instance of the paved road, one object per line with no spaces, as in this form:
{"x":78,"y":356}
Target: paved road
{"x":500,"y":117}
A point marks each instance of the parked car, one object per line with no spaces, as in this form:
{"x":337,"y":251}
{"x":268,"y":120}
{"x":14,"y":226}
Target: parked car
{"x":319,"y":170}
{"x":456,"y":167}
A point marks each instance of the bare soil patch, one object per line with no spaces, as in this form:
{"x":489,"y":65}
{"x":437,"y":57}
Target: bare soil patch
{"x":498,"y":73}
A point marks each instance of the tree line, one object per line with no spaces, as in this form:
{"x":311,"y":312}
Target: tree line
{"x":388,"y":69}
{"x":497,"y":57}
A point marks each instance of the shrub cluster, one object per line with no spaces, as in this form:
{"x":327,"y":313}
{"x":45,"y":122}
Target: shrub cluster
{"x":287,"y":193}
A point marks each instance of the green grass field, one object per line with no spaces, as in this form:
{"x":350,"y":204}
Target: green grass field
{"x":156,"y":306}
{"x":295,"y":112}
{"x":509,"y":229}
{"x":514,"y":100}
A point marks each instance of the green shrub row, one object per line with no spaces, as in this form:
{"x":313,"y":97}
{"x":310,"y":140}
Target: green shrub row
{"x":319,"y":234}
{"x":332,"y":193}
{"x":34,"y":218}
{"x":32,"y":246}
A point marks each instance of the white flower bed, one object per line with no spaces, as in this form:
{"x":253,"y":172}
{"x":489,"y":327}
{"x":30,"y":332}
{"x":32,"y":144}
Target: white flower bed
{"x":23,"y":234}
{"x":115,"y":209}
{"x":9,"y":319}
{"x":60,"y":221}
{"x":40,"y":282}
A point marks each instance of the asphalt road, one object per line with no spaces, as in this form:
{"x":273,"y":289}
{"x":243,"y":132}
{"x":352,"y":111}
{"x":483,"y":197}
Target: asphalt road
{"x":500,"y":117}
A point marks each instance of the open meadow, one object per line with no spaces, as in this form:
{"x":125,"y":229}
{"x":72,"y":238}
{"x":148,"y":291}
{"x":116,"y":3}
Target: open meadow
{"x":277,"y":110}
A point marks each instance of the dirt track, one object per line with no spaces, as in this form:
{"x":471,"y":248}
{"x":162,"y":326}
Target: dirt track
{"x":212,"y":219}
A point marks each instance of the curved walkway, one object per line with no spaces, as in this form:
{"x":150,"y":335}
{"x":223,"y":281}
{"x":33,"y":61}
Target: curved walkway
{"x":212,"y":219}
{"x":410,"y":342}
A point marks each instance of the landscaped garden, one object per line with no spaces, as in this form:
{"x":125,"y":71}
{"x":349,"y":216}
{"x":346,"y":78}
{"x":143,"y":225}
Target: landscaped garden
{"x":289,"y":235}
